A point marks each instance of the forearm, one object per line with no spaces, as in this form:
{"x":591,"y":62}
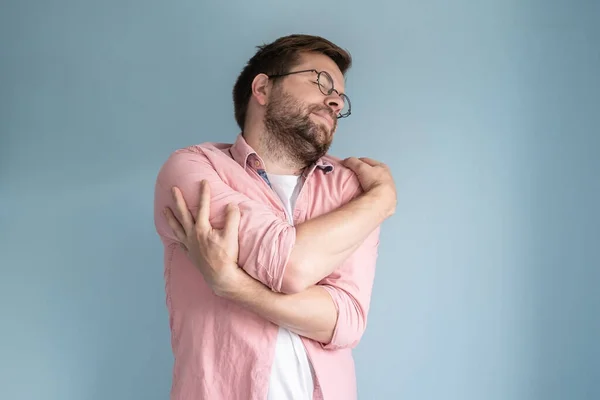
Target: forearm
{"x":310,"y":313}
{"x":323,"y":243}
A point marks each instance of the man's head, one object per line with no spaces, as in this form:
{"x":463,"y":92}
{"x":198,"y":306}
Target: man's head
{"x":294,"y":88}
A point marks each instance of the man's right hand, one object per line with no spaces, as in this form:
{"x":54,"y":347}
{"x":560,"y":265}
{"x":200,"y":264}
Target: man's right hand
{"x":213,"y":251}
{"x":375,"y":179}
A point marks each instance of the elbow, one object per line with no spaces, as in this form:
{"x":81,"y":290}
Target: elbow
{"x":296,"y":274}
{"x":350,"y":326}
{"x":356,"y":332}
{"x":293,"y":280}
{"x":354,"y":339}
{"x":347,"y":340}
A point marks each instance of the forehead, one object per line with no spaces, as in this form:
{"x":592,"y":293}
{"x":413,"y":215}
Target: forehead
{"x":321,"y":62}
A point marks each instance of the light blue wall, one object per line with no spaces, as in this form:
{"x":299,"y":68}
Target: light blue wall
{"x":488,"y":113}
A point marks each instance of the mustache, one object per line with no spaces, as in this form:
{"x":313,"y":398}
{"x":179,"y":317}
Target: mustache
{"x":322,"y":108}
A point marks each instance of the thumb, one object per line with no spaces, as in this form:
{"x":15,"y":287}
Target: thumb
{"x":370,"y":161}
{"x":355,"y":164}
{"x":232,"y":219}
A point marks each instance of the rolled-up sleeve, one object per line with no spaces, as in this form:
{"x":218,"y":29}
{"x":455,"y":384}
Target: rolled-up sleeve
{"x":350,"y":287}
{"x":266,"y":239}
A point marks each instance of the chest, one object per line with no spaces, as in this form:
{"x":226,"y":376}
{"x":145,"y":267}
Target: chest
{"x":307,"y":198}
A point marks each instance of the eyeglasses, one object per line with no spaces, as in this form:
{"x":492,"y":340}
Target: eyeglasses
{"x":325,"y":83}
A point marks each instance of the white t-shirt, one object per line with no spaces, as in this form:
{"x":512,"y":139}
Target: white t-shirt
{"x":291,"y":374}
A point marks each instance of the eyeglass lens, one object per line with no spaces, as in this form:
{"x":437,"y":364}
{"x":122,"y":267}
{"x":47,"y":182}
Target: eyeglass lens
{"x":325,"y":82}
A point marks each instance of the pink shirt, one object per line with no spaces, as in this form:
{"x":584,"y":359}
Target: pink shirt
{"x":223,"y":351}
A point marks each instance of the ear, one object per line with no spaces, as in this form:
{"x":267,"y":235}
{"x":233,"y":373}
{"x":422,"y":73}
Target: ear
{"x":261,"y":88}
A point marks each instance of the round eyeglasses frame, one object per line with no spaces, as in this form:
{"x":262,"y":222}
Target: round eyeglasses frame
{"x":322,"y":88}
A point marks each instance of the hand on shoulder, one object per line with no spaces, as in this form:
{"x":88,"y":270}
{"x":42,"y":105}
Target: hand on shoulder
{"x":376,"y":179}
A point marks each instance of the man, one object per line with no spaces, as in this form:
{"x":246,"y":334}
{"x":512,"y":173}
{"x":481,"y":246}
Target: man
{"x":269,"y":279}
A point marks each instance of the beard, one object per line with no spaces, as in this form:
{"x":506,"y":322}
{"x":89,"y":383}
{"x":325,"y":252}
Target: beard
{"x":292,"y":135}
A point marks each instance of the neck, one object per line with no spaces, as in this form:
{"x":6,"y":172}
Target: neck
{"x":277,"y":160}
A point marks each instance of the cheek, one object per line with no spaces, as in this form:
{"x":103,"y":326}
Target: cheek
{"x":310,"y":95}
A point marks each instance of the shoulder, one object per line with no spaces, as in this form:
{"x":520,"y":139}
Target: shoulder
{"x":348,"y":181}
{"x":193,"y":158}
{"x":202,"y":151}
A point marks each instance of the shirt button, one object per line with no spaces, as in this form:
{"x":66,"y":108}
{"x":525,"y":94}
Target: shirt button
{"x":257,"y":164}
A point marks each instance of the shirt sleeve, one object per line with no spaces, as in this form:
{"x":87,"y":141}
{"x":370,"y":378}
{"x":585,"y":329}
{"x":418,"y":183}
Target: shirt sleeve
{"x":351,"y":284}
{"x":350,"y":287}
{"x":266,"y":239}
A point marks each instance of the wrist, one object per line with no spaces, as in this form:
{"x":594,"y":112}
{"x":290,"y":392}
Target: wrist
{"x":228,"y":285}
{"x":385,"y":200}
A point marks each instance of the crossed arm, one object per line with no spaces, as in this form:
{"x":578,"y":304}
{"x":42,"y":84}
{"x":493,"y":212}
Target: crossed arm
{"x":327,"y":281}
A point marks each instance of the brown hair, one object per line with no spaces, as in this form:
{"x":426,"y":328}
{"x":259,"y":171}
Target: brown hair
{"x":277,"y":58}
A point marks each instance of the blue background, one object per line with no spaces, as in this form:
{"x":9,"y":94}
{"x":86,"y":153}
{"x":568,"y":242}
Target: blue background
{"x":488,"y":113}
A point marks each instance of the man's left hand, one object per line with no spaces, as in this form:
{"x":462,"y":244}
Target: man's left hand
{"x":213,"y":251}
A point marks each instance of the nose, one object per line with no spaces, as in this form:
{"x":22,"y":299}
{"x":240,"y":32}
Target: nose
{"x":335,"y":102}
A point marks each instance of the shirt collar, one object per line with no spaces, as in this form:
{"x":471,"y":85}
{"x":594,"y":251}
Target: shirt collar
{"x":245,"y":155}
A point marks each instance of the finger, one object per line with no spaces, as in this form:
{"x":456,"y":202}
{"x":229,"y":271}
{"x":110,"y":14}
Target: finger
{"x":232,"y":220}
{"x":181,"y":210}
{"x":370,"y":161}
{"x":203,"y":218}
{"x":354,"y":164}
{"x":174,"y":224}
